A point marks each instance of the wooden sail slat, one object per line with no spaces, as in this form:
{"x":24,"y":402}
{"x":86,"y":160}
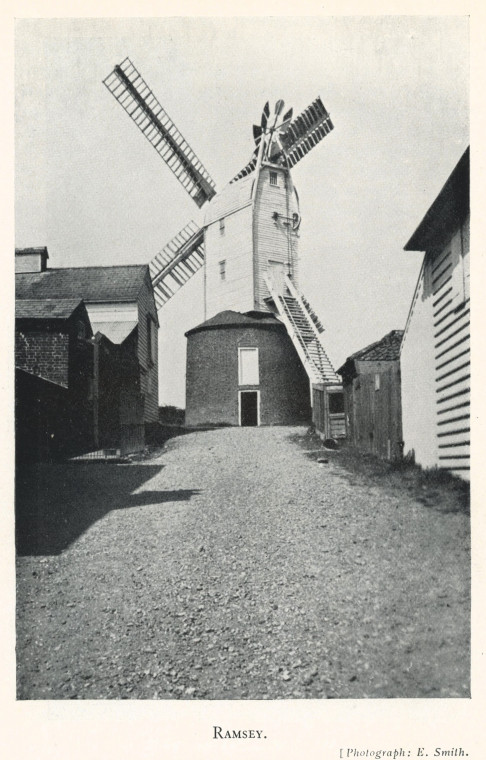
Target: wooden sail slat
{"x":186,"y":268}
{"x":175,"y":276}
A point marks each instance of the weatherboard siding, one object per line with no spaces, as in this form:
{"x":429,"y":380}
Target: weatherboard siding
{"x":149,"y":381}
{"x":246,"y":237}
{"x":234,"y":246}
{"x":274,"y":240}
{"x":418,"y":388}
{"x":436,"y":360}
{"x":233,"y":197}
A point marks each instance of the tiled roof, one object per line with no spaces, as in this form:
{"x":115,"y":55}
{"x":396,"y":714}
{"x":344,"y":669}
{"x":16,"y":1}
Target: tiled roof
{"x":386,"y":349}
{"x":117,"y":283}
{"x":46,"y":308}
{"x":236,"y":319}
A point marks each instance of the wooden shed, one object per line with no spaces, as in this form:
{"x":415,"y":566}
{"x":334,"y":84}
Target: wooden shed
{"x":371,"y":382}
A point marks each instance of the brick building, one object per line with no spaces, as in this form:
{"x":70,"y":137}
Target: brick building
{"x":54,"y":378}
{"x":119,"y":301}
{"x":111,"y":312}
{"x":242,"y":369}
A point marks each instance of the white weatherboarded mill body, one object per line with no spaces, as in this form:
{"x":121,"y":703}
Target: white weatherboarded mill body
{"x":250,"y":234}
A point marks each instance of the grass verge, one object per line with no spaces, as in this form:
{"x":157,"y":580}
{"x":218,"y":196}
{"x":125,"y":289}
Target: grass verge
{"x":436,"y":489}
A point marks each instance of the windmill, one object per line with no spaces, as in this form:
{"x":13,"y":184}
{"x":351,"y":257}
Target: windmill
{"x":248,"y":242}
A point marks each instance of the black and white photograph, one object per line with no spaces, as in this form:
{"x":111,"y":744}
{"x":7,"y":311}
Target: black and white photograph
{"x":242,"y":364}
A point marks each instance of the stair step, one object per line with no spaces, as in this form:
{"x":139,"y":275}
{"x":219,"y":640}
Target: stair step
{"x":307,"y":327}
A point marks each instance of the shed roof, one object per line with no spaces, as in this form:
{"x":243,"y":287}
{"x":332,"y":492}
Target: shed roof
{"x":114,"y":283}
{"x":46,"y":308}
{"x":238,"y":319}
{"x":29,"y":251}
{"x":447,"y":212}
{"x":384,"y":350}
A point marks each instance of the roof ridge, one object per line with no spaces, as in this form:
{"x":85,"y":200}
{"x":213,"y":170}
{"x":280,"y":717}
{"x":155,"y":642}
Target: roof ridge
{"x":361,"y":352}
{"x":50,"y":298}
{"x":91,"y":266}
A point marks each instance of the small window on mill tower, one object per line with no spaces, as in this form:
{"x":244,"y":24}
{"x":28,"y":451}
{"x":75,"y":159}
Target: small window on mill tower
{"x":274,"y":179}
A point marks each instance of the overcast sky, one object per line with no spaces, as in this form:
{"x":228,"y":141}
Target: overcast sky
{"x":91,"y":188}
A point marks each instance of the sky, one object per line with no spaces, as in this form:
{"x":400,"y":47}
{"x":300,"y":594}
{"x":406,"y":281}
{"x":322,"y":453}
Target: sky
{"x":94,"y":191}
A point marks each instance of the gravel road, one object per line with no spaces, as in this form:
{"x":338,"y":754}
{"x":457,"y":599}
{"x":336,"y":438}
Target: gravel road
{"x":231,"y":566}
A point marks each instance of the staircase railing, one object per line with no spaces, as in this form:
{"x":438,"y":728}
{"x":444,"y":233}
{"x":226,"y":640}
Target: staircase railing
{"x":326,"y":369}
{"x":294,"y":333}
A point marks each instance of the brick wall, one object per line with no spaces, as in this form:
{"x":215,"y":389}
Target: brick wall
{"x":43,"y":353}
{"x":212,"y":376}
{"x":54,"y":403}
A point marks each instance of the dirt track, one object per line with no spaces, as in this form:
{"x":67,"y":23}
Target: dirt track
{"x":234,"y":566}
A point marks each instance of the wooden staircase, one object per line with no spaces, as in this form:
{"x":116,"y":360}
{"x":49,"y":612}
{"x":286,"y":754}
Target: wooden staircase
{"x":304,"y":329}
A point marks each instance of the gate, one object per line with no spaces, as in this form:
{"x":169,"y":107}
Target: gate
{"x":132,"y":428}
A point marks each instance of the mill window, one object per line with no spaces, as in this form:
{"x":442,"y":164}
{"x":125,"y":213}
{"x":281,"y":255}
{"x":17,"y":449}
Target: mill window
{"x":336,"y":403}
{"x":151,"y":339}
{"x":377,"y":382}
{"x":221,"y":226}
{"x":222,"y":270}
{"x":274,"y":178}
{"x":248,"y":366}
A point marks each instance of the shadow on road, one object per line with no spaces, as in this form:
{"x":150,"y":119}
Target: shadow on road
{"x":56,"y":503}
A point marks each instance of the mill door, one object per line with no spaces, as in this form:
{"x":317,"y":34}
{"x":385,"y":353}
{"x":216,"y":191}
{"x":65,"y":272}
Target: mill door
{"x":276,"y":271}
{"x":248,"y":408}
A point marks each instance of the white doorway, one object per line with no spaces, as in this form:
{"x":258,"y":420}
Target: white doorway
{"x":276,"y":274}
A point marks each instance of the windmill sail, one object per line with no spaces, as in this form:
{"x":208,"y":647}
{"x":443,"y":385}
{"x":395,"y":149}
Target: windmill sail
{"x":248,"y":169}
{"x":134,"y":95}
{"x":295,"y":138}
{"x":177,"y":262}
{"x":305,"y":131}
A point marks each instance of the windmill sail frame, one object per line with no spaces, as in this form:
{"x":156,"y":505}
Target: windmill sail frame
{"x":294,"y":138}
{"x":177,"y":262}
{"x":128,"y":87}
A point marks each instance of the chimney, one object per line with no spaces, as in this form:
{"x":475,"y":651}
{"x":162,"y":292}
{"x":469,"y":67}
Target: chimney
{"x":30,"y":260}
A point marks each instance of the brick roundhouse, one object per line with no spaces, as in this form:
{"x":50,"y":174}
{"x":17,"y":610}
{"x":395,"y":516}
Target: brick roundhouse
{"x":242,"y":369}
